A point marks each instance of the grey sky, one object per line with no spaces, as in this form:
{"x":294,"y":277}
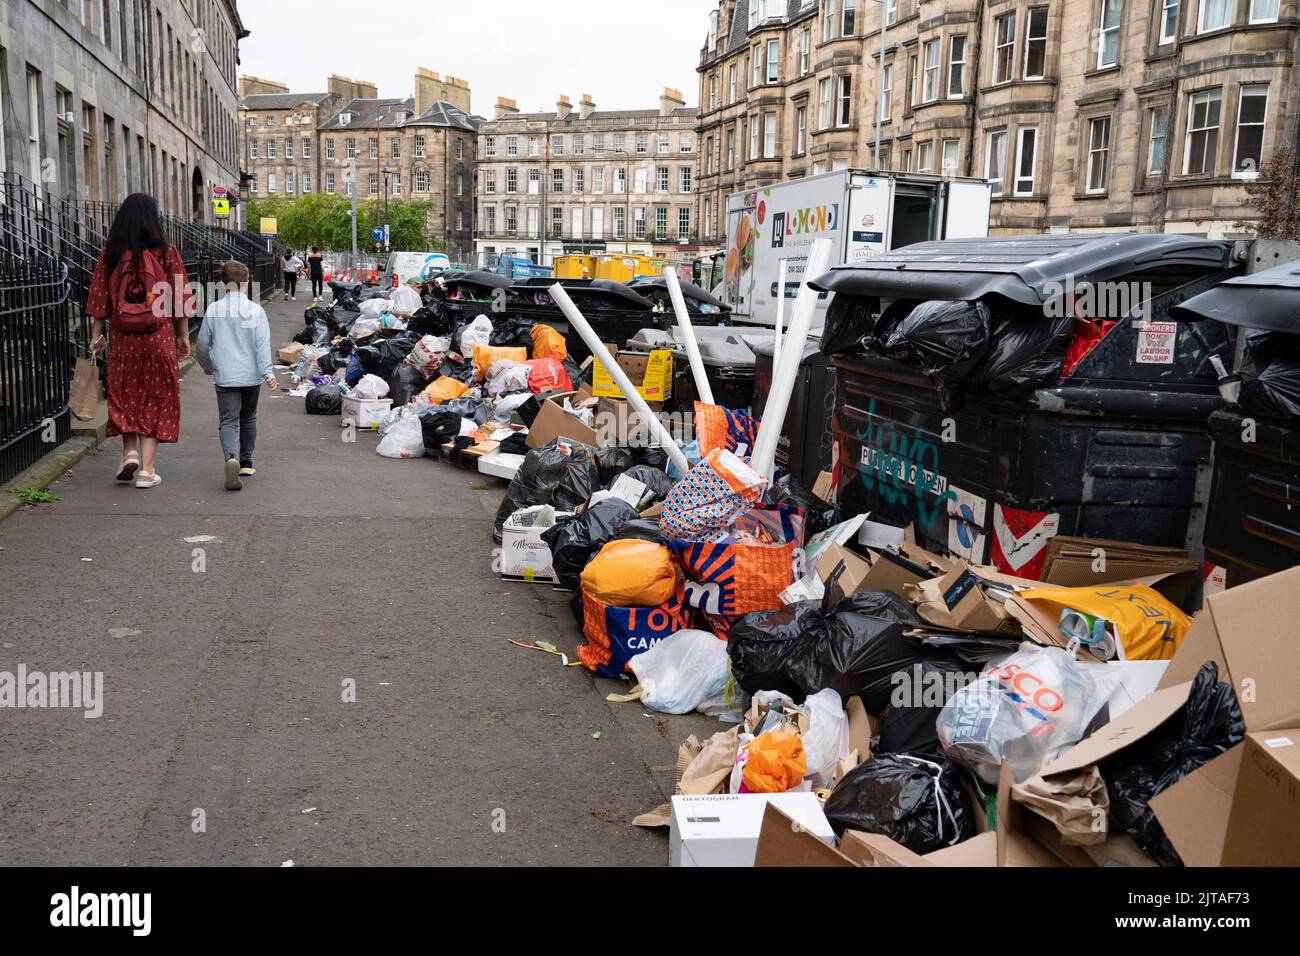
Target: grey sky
{"x":620,"y":51}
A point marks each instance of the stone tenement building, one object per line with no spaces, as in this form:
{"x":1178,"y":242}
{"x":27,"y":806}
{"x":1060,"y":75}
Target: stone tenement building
{"x":99,"y":100}
{"x":611,"y":180}
{"x":1084,"y":114}
{"x":417,"y":148}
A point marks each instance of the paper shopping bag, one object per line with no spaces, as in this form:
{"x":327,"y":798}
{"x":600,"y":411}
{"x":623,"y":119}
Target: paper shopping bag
{"x":84,"y":399}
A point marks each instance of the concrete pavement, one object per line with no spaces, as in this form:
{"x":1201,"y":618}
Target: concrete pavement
{"x":227,"y":626}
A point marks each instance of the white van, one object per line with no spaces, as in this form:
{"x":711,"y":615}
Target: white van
{"x":414,"y":267}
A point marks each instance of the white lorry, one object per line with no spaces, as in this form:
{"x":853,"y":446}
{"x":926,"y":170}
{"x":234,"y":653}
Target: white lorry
{"x":864,"y":213}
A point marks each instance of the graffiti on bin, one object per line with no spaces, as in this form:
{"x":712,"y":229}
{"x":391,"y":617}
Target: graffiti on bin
{"x":903,"y":469}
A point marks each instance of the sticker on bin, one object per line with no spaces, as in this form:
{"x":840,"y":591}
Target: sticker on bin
{"x":1156,"y":343}
{"x":966,"y":513}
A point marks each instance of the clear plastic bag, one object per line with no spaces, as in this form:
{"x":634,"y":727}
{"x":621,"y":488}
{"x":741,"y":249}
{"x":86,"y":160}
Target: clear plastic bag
{"x":371,"y":388}
{"x":404,"y":440}
{"x":478,"y":332}
{"x":1027,"y":709}
{"x":689,"y":671}
{"x":404,"y":301}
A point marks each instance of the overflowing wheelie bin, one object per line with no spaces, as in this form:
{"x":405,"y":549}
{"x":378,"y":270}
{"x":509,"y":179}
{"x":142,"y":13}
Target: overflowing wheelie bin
{"x":1253,"y":526}
{"x":993,"y":393}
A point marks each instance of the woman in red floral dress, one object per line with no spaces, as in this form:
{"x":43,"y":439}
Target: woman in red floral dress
{"x":144,"y":382}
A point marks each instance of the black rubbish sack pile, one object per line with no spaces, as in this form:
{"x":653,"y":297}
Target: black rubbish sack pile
{"x":562,"y":474}
{"x":1209,"y":724}
{"x":918,"y":803}
{"x":513,"y":333}
{"x":403,"y":385}
{"x":612,"y":462}
{"x":854,"y":648}
{"x":325,"y":400}
{"x":656,"y":480}
{"x":575,"y":541}
{"x":948,"y":340}
{"x":1270,"y":376}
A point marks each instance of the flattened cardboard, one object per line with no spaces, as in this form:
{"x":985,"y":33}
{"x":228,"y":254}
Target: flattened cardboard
{"x":782,"y":843}
{"x":1262,"y":828}
{"x":1195,"y":811}
{"x":824,"y":488}
{"x":1069,"y":563}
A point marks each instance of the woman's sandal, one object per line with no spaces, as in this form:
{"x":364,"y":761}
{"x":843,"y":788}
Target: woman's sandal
{"x":130,"y":465}
{"x":153,"y":481}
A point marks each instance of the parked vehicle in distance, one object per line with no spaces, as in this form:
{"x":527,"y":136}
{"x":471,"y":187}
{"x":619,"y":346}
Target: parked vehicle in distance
{"x":407,"y":267}
{"x":516,"y":267}
{"x":864,"y":213}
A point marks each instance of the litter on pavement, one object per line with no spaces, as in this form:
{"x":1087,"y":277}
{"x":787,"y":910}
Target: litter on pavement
{"x":884,"y":700}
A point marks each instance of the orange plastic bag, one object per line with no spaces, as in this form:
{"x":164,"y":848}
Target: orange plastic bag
{"x":776,"y":763}
{"x":548,"y":343}
{"x":630,"y":573}
{"x":547,"y":375}
{"x":485,"y":355}
{"x":444,"y":389}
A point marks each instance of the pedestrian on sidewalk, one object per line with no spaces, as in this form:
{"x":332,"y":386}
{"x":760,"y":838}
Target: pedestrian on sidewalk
{"x":235,"y":347}
{"x":141,"y":293}
{"x":316,"y":266}
{"x":291,"y":265}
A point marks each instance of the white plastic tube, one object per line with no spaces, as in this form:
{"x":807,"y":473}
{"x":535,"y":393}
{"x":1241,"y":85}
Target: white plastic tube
{"x":702,"y":387}
{"x":597,"y":347}
{"x":786,"y":373}
{"x":780,"y":313}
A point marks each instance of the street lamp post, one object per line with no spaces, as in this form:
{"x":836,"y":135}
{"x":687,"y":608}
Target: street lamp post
{"x":388,"y":172}
{"x":880,"y":84}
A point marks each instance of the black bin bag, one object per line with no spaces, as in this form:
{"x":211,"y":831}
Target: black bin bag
{"x":948,"y":340}
{"x":1208,"y":724}
{"x":575,"y":541}
{"x":1270,"y":376}
{"x":439,"y":426}
{"x":326,"y":400}
{"x":855,"y":647}
{"x":656,"y":481}
{"x":1026,"y":349}
{"x":612,"y":462}
{"x":404,"y":384}
{"x":918,"y":803}
{"x":562,"y":474}
{"x":849,"y":321}
{"x":910,"y":725}
{"x":818,"y":515}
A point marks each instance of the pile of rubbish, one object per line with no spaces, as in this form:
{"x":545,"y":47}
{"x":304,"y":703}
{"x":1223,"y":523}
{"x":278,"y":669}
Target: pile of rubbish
{"x":902,"y":707}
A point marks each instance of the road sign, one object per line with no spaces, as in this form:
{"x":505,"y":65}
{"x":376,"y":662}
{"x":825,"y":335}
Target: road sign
{"x":221,"y":208}
{"x":218,"y":192}
{"x":270,"y":226}
{"x":377,"y":234}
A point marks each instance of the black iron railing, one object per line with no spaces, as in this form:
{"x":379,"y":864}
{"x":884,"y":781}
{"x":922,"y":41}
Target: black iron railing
{"x":37,"y":355}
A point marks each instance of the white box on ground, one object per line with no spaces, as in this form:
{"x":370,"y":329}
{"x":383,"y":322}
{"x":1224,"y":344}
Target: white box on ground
{"x":365,"y":412}
{"x":498,"y":464}
{"x":524,"y":555}
{"x":722,"y":829}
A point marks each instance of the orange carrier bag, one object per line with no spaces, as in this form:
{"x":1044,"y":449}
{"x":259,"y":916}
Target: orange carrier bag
{"x":631,"y":573}
{"x":485,"y":355}
{"x":445,"y":389}
{"x":548,"y":343}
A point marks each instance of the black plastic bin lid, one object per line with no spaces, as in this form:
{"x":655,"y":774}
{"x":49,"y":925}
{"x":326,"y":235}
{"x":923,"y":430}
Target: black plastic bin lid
{"x":1267,"y":300}
{"x":692,"y":293}
{"x":1027,"y":269}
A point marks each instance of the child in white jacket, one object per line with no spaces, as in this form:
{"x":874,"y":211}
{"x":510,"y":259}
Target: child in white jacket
{"x":235,"y":347}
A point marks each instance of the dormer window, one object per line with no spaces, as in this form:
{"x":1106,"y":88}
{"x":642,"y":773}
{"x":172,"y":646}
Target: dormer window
{"x":345,"y":119}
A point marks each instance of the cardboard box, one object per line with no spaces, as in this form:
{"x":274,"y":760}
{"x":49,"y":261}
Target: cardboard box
{"x":289,"y":354}
{"x":365,"y":412}
{"x":1072,"y":562}
{"x":1240,"y":808}
{"x":524,"y":555}
{"x":723,"y":829}
{"x":879,"y":571}
{"x":961,"y":600}
{"x":617,"y":423}
{"x":650,"y":372}
{"x":554,"y":422}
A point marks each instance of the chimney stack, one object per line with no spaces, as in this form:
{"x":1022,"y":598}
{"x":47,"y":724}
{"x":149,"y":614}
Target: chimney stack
{"x":250,"y":85}
{"x":670,"y":100}
{"x":506,"y":108}
{"x":347,"y":88}
{"x":586,"y":106}
{"x":563,"y":108}
{"x":430,"y":88}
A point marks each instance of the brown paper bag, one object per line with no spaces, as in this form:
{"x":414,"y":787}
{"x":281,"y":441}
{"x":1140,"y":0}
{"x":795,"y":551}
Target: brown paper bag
{"x":84,"y":400}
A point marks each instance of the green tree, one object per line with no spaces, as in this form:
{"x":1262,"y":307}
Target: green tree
{"x":322,"y":220}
